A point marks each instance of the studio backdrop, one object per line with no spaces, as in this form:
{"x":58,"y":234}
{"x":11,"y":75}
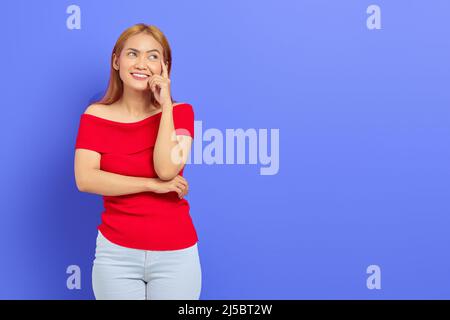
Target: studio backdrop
{"x":320,"y":163}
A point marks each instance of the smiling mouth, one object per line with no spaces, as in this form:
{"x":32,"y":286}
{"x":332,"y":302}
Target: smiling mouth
{"x":139,"y":75}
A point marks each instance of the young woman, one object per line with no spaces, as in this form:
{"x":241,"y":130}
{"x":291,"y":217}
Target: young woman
{"x":131,"y":148}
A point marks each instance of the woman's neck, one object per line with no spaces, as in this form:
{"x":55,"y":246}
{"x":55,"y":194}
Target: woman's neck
{"x":137,"y":103}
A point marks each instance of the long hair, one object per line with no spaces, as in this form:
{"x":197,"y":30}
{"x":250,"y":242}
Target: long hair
{"x":115,"y":85}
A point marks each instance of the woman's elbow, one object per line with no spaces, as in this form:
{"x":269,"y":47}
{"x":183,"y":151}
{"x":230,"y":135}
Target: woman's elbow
{"x":166,"y":171}
{"x":166,"y":174}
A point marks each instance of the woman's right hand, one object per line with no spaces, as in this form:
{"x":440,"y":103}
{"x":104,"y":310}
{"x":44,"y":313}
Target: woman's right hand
{"x":178,"y":184}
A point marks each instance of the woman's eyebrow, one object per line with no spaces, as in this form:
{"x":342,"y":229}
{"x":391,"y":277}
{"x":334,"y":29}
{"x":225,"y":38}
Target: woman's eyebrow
{"x":147,"y":50}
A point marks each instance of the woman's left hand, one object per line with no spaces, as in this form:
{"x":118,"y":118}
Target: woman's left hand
{"x":160,"y":86}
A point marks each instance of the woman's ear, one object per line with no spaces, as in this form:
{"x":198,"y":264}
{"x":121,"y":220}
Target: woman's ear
{"x":115,"y":62}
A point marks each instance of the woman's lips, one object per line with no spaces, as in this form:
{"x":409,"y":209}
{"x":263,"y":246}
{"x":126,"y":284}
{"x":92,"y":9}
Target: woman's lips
{"x":139,"y":77}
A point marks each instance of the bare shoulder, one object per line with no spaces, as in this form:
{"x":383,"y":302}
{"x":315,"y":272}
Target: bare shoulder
{"x":106,"y":111}
{"x":95,"y":109}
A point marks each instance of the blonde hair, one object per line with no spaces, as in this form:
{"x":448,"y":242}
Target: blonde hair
{"x":115,"y":85}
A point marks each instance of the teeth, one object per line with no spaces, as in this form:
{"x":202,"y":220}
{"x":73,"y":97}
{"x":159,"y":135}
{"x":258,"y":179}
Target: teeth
{"x":140,"y":75}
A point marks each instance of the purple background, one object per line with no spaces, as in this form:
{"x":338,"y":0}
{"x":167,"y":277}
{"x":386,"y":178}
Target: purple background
{"x":364,"y":129}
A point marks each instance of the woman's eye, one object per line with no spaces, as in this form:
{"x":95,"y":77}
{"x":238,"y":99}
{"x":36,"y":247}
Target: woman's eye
{"x":153,"y":55}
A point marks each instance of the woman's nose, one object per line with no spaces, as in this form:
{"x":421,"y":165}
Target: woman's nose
{"x":141,"y":63}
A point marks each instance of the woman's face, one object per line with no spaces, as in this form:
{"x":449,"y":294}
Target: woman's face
{"x":141,"y":54}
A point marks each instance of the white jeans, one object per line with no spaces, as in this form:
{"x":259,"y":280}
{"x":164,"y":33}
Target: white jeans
{"x":124,"y":273}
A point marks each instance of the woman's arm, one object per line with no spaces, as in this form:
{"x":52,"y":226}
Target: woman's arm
{"x":170,"y":151}
{"x":90,"y":178}
{"x":112,"y":184}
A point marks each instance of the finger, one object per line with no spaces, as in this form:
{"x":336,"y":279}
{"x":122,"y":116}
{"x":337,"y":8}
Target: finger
{"x":178,"y":190}
{"x":185,"y":185}
{"x":182,"y":186}
{"x":153,"y":77}
{"x":182,"y":181}
{"x":152,"y":81}
{"x":180,"y":178}
{"x":156,"y":82}
{"x":164,"y":73}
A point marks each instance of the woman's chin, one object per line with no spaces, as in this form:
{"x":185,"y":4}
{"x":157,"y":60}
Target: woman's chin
{"x":139,"y":87}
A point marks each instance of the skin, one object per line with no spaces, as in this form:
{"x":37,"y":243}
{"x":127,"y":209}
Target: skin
{"x":135,"y":101}
{"x":170,"y":150}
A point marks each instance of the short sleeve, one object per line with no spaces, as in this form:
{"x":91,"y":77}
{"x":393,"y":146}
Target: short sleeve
{"x":89,"y":136}
{"x":183,"y":119}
